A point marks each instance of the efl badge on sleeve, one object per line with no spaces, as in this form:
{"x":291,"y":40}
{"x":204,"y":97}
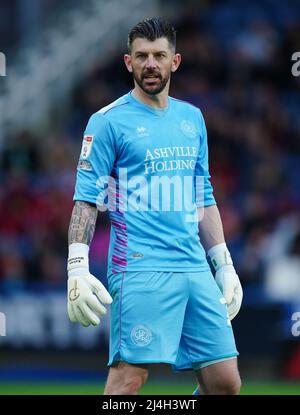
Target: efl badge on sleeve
{"x":87,"y":146}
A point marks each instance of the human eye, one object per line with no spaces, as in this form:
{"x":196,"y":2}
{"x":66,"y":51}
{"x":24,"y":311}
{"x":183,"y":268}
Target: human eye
{"x":140,"y":55}
{"x":160,"y":55}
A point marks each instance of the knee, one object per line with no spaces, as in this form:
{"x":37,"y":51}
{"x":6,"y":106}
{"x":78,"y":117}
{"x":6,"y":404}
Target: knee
{"x":132,"y":384}
{"x":230,"y":386}
{"x":126,"y":383}
{"x":234,"y":386}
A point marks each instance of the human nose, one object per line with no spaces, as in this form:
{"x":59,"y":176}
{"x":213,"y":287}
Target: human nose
{"x":151,"y":62}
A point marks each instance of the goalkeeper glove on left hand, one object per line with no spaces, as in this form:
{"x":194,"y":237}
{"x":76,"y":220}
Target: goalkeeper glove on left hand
{"x":226,"y":278}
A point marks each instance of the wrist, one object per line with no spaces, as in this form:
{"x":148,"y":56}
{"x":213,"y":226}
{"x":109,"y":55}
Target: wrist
{"x":219,"y":256}
{"x":78,"y":272}
{"x":78,"y":260}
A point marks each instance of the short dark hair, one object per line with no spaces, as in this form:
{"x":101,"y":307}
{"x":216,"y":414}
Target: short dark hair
{"x":152,"y":29}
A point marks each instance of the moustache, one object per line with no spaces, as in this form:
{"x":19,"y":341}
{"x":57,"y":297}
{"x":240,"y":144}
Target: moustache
{"x":154,"y":74}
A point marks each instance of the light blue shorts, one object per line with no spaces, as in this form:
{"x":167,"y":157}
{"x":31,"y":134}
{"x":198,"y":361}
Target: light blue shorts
{"x":168,"y":317}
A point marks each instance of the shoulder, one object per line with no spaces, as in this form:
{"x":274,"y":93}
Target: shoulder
{"x":191,"y":111}
{"x":184,"y":104}
{"x":187,"y":107}
{"x":116,"y":106}
{"x":106,"y":115}
{"x":103,"y":123}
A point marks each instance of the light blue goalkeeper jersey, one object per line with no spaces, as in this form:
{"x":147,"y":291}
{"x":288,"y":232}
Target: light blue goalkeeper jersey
{"x":149,"y":167}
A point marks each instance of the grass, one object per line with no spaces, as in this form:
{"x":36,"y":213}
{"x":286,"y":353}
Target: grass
{"x":56,"y":388}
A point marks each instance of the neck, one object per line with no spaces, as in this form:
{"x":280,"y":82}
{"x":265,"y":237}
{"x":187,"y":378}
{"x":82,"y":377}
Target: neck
{"x":156,"y":101}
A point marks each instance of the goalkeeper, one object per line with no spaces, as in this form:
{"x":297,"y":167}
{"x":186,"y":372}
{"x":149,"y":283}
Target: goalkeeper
{"x":166,"y":306}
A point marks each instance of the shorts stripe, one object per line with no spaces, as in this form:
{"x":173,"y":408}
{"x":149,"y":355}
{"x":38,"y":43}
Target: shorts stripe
{"x":120,"y":310}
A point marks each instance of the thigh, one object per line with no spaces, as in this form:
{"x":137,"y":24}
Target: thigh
{"x":207,"y":333}
{"x":147,"y":316}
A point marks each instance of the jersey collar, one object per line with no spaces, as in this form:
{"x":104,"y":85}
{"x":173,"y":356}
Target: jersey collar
{"x":156,"y":111}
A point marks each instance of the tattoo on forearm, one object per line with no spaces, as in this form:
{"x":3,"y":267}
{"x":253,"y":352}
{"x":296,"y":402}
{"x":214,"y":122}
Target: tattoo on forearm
{"x":82,"y":224}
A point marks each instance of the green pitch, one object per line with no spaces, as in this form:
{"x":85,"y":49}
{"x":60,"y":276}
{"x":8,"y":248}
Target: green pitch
{"x":45,"y":388}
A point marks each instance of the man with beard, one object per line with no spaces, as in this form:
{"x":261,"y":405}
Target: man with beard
{"x":166,"y":306}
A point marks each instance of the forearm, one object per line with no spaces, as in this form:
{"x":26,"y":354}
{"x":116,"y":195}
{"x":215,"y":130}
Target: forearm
{"x":210,"y":227}
{"x":82,"y":223}
{"x":86,"y":294}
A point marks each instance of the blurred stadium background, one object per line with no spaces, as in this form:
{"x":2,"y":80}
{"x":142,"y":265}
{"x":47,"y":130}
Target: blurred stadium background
{"x":64,"y":62}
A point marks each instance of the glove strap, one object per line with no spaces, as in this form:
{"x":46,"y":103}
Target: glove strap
{"x":78,"y":259}
{"x":219,"y":256}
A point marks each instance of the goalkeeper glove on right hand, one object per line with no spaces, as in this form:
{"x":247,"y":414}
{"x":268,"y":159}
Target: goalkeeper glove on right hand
{"x":86,"y":294}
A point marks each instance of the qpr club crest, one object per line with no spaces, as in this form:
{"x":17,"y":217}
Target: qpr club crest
{"x":141,"y":335}
{"x":188,"y":128}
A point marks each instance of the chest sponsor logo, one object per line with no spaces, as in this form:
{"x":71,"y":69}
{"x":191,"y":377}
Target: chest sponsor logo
{"x":87,"y":144}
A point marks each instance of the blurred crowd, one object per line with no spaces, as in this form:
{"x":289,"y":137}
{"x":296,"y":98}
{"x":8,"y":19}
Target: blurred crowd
{"x":237,"y":69}
{"x":22,"y":20}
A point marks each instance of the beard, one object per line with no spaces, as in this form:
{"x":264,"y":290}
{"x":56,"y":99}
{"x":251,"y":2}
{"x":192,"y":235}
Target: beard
{"x":151,"y":82}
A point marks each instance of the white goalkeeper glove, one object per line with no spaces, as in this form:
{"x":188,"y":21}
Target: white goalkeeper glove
{"x":86,"y":294}
{"x":226,"y":278}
